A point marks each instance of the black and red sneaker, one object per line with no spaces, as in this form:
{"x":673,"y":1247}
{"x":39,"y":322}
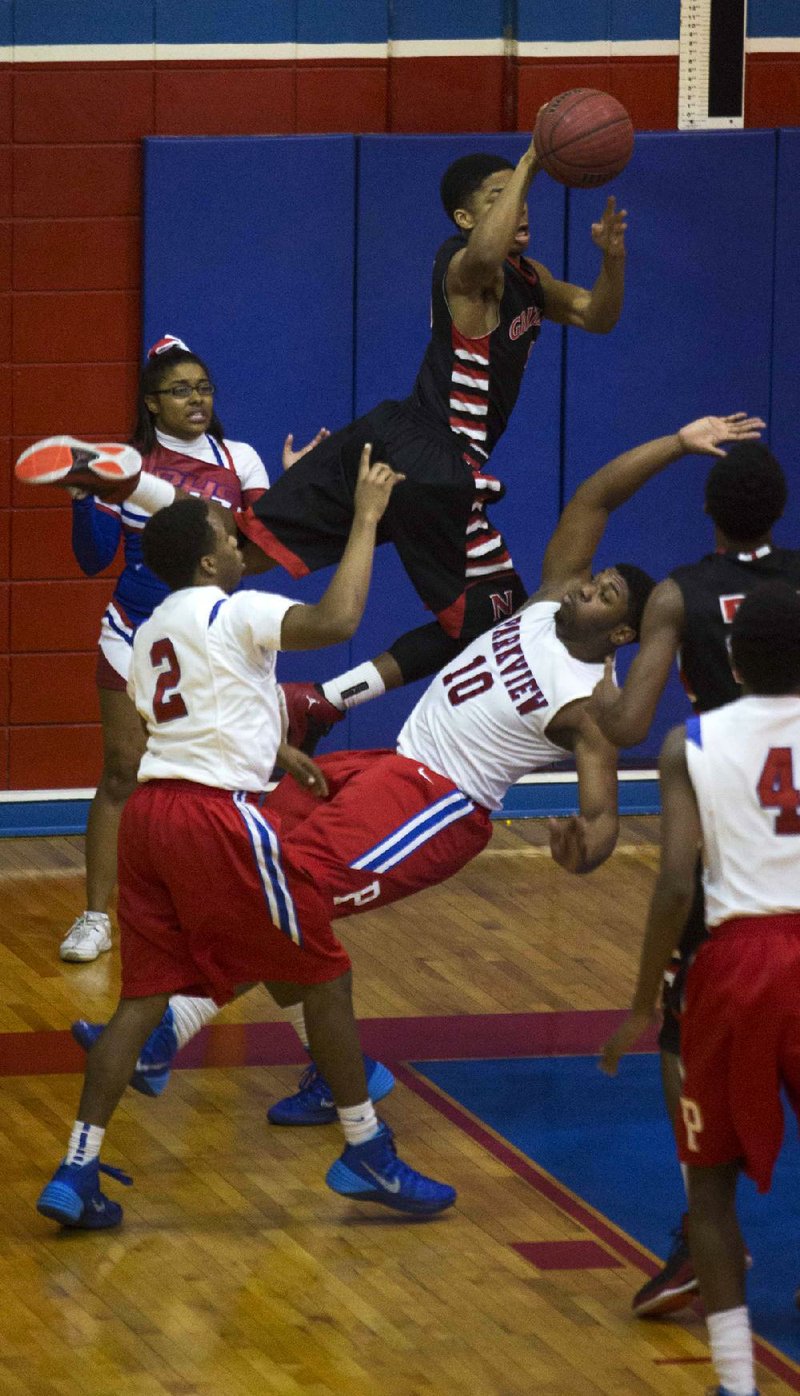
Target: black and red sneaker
{"x":109,"y":471}
{"x":311,"y":715}
{"x":674,"y":1286}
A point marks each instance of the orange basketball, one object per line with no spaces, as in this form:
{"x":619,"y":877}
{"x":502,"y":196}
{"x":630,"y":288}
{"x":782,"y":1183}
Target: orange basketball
{"x":583,"y":137}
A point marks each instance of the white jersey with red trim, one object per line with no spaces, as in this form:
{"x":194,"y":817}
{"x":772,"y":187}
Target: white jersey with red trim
{"x":483,"y":720}
{"x":203,"y":680}
{"x":744,"y":764}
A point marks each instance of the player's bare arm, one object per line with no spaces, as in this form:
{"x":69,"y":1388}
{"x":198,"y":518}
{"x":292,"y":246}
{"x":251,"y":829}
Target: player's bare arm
{"x":336,"y":615}
{"x":474,"y":281}
{"x":596,"y":310}
{"x":580,"y":529}
{"x":672,"y":895}
{"x":584,"y":841}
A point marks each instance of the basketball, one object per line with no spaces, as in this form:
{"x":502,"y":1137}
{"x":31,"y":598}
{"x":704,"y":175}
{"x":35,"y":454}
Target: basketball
{"x":583,"y":137}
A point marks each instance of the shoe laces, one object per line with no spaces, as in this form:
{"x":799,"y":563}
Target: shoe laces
{"x":313,"y":1083}
{"x":84,"y":927}
{"x":117,"y":1173}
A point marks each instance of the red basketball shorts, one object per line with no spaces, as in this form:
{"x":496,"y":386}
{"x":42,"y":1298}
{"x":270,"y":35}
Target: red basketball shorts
{"x":389,"y":827}
{"x":208,"y":898}
{"x":740,"y":1043}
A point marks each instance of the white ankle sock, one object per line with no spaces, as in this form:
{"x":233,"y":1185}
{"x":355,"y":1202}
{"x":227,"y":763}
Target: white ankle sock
{"x":294,"y":1012}
{"x":359,"y":1122}
{"x":84,"y":1142}
{"x":732,"y":1350}
{"x":189,"y":1015}
{"x":356,"y":686}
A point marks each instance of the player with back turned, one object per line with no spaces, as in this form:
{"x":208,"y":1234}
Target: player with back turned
{"x":690,"y":615}
{"x":729,"y":782}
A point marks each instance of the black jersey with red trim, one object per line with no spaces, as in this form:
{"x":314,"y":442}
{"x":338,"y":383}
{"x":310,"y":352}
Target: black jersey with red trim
{"x":471,"y":385}
{"x":712,"y":590}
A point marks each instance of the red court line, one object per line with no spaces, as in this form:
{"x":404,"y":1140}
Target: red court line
{"x":568,"y":1202}
{"x":403,"y":1039}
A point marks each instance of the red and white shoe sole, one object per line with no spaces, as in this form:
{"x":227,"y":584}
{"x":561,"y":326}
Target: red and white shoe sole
{"x":51,"y":460}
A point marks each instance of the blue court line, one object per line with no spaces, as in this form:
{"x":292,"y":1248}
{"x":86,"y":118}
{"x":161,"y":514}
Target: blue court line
{"x":610,"y":1143}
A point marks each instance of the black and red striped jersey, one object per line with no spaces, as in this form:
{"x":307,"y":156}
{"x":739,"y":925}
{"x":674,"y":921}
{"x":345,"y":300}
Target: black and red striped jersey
{"x":471,"y":385}
{"x":712,"y":590}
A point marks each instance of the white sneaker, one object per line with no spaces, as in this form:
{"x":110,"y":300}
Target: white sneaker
{"x":87,"y":937}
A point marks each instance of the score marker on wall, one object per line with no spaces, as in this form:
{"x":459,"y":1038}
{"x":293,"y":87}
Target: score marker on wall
{"x":711,"y":64}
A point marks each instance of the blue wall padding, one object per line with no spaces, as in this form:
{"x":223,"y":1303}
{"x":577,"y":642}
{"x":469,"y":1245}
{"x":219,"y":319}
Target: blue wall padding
{"x":249,"y":258}
{"x":694,"y":336}
{"x":301,"y":267}
{"x":785,"y":407}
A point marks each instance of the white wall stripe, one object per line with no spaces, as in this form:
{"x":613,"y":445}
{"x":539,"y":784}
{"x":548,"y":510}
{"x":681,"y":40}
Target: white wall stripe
{"x":598,"y":48}
{"x":402,"y":48}
{"x":775,"y":45}
{"x":446,"y":48}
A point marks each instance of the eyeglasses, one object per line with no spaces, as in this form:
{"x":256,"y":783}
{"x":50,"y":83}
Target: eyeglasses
{"x":184,"y":390}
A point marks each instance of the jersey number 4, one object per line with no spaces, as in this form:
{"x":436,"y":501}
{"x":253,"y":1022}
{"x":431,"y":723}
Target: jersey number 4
{"x":777,"y":790}
{"x":167,"y":701}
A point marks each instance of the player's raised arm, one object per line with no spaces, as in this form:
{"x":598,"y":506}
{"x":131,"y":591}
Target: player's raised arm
{"x":336,"y":615}
{"x":491,"y":233}
{"x":582,"y":525}
{"x":672,"y":895}
{"x":596,"y":310}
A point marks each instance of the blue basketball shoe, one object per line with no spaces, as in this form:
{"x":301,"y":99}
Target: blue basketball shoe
{"x":313,"y":1103}
{"x":372,"y":1172}
{"x":73,"y":1196}
{"x":152,"y":1071}
{"x":723,"y":1391}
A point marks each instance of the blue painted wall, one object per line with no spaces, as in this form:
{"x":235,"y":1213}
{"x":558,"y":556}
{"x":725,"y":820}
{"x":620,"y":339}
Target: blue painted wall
{"x":312,"y":304}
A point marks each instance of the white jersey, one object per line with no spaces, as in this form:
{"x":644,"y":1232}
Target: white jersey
{"x":203,"y":679}
{"x":482,"y":722}
{"x":744,"y":764}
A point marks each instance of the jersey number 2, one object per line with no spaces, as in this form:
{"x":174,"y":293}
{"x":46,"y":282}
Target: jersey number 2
{"x":777,"y":790}
{"x":167,"y":702}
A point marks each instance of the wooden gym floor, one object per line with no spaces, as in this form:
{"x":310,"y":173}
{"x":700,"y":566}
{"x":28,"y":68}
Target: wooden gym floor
{"x":236,"y":1271}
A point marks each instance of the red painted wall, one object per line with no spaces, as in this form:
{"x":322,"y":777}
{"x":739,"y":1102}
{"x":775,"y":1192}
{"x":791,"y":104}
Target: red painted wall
{"x":70,"y":175}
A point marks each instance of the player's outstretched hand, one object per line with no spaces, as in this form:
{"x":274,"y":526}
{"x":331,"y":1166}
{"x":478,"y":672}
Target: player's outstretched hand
{"x":704,"y":437}
{"x":305,"y":771}
{"x":609,"y":233}
{"x":376,"y":480}
{"x":623,"y":1039}
{"x":568,"y":842}
{"x":290,"y":457}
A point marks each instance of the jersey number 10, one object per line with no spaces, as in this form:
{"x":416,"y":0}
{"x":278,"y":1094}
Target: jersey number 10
{"x":777,"y":790}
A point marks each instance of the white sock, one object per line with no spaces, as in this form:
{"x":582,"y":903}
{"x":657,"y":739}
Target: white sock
{"x":359,"y":1122}
{"x":84,"y":1143}
{"x":151,"y":494}
{"x":189,"y":1015}
{"x":296,"y":1015}
{"x":356,"y":686}
{"x":732,"y":1350}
